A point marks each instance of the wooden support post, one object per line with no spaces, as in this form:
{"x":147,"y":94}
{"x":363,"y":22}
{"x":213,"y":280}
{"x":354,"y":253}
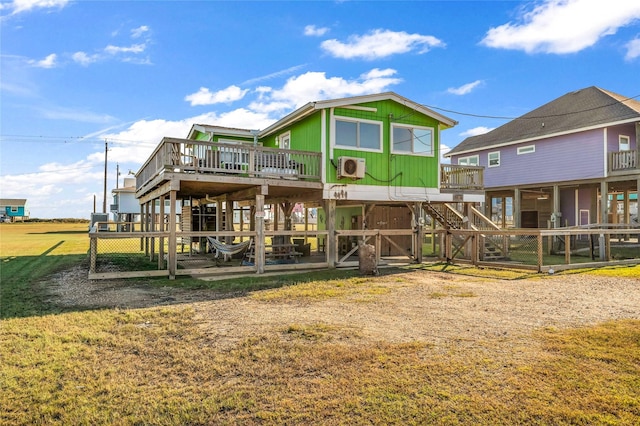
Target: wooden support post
{"x":276,"y":216}
{"x":378,"y":246}
{"x":146,"y":227}
{"x":152,"y":241}
{"x":142,"y":219}
{"x":604,"y":201}
{"x":474,"y":248}
{"x":172,"y":258}
{"x":516,"y":209}
{"x":540,"y":253}
{"x":162,"y":229}
{"x":259,"y":242}
{"x":419,"y":232}
{"x":252,"y":218}
{"x":331,"y":245}
{"x":287,"y":210}
{"x":567,"y":249}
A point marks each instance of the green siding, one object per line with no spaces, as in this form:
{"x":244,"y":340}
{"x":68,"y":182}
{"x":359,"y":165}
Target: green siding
{"x":386,"y":168}
{"x":305,"y":134}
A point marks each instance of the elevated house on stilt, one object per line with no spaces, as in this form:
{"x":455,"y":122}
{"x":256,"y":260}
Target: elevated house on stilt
{"x":367,"y":167}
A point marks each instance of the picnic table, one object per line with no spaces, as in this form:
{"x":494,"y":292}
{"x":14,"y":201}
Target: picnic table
{"x":282,"y":251}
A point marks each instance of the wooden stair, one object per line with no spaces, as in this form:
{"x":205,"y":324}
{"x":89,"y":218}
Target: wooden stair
{"x":449,"y":217}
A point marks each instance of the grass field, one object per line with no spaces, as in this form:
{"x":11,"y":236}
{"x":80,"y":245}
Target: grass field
{"x":158,"y":366}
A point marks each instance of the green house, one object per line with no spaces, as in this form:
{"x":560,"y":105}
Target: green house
{"x":381,"y":147}
{"x":363,"y":163}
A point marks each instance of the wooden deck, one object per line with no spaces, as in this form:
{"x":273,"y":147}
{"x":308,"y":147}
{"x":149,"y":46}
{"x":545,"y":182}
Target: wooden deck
{"x":207,"y":168}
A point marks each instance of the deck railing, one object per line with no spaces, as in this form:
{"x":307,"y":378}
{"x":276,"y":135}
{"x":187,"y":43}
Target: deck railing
{"x":623,"y":160}
{"x":187,"y":156}
{"x":453,"y":176}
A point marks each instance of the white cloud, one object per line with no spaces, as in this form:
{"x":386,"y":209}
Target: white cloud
{"x":205,"y":97}
{"x":312,"y":30}
{"x":48,"y":62}
{"x":563,"y":26}
{"x":131,"y":54}
{"x":83,"y":59}
{"x":480,"y":130}
{"x":633,"y":49}
{"x":315,"y":86}
{"x":380,"y":44}
{"x":115,"y":50}
{"x":19,"y":6}
{"x":465,"y":88}
{"x":138,"y":32}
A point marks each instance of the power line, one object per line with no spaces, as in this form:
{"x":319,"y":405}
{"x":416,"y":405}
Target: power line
{"x":537,"y":117}
{"x":66,"y":139}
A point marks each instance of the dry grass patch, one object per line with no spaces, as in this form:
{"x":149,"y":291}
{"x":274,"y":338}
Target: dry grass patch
{"x":491,"y":273}
{"x":157,"y":366}
{"x":354,"y":289}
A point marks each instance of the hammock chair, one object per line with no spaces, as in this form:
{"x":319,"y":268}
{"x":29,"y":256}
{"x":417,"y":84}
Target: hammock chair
{"x":228,"y":250}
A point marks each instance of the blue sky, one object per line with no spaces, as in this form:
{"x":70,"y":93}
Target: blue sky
{"x":77,"y":73}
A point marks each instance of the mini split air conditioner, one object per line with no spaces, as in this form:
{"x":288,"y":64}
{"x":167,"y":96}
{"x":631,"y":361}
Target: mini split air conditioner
{"x":351,"y":167}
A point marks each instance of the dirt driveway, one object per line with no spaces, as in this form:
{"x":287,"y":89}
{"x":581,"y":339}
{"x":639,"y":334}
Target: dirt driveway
{"x":432,"y":307}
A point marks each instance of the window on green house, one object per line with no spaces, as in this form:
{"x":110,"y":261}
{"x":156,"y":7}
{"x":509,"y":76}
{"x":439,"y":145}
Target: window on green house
{"x":414,"y":140}
{"x":358,"y":134}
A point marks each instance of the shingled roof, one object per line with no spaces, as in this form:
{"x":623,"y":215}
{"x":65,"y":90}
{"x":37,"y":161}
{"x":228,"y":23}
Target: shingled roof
{"x":586,"y":108}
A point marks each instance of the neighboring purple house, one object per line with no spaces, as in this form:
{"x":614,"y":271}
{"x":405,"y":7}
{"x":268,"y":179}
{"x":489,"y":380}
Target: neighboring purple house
{"x":551,"y":166}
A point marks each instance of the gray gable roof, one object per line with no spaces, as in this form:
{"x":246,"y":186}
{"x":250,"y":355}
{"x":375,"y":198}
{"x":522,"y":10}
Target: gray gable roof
{"x":585,"y":108}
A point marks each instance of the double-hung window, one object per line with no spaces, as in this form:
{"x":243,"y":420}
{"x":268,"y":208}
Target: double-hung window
{"x":472,"y":160}
{"x":358,"y":134}
{"x":493,"y":159}
{"x":412,"y":139}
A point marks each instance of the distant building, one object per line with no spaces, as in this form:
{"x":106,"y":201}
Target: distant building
{"x":125,"y":207}
{"x":13,"y":209}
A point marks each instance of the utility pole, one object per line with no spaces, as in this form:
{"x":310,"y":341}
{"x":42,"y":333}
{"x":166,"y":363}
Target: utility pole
{"x":117,"y":174}
{"x":104,"y":201}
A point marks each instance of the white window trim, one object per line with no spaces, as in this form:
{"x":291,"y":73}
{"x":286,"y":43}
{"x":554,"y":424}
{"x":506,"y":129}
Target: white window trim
{"x":283,"y":136}
{"x":529,"y":149}
{"x":489,"y":159}
{"x":628,"y":142}
{"x":477,"y":158}
{"x":355,"y":120}
{"x":419,"y":154}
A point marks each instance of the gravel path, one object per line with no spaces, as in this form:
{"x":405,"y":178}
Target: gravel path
{"x":437,"y":308}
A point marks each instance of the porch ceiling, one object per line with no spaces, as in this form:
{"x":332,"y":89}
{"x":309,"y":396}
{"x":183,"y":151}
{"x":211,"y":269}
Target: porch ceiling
{"x":242,"y":189}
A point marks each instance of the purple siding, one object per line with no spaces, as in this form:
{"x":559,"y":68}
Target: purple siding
{"x":613,"y":136}
{"x":563,"y":158}
{"x":568,"y":207}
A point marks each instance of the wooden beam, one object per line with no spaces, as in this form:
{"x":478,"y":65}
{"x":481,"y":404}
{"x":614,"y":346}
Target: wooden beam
{"x":249,"y":193}
{"x":164,"y":189}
